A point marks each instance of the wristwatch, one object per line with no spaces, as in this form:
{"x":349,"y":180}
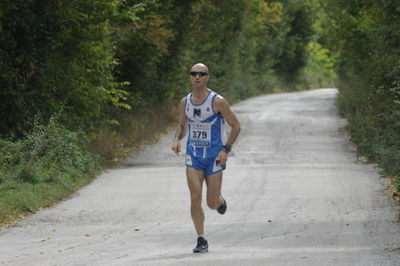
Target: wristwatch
{"x":227,"y":148}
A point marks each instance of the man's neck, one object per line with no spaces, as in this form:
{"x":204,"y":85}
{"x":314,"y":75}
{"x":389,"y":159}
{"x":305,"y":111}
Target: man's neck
{"x":200,"y":93}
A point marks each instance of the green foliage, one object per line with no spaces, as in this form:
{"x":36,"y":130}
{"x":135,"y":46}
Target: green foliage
{"x":296,"y":34}
{"x":256,"y":49}
{"x":47,"y":150}
{"x":41,"y":168}
{"x":319,"y":71}
{"x":365,"y":36}
{"x":55,"y":55}
{"x":141,"y":45}
{"x":91,"y":58}
{"x":242,"y":42}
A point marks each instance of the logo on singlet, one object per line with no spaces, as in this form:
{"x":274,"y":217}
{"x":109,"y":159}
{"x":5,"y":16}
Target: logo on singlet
{"x":196,"y":112}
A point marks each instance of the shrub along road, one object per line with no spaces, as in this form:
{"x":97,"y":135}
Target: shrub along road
{"x":297,"y":195}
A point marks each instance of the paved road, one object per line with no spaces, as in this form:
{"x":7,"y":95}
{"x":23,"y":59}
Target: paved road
{"x":296,"y":192}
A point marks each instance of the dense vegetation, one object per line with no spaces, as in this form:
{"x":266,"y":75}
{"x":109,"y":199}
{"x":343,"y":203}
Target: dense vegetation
{"x":87,"y":59}
{"x":83,"y":83}
{"x":365,"y":40}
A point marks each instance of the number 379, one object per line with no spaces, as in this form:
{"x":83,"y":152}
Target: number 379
{"x":199,"y":134}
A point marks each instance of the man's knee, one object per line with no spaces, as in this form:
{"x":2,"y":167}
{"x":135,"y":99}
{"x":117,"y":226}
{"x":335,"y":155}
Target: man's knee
{"x":213,"y":203}
{"x":196,"y":198}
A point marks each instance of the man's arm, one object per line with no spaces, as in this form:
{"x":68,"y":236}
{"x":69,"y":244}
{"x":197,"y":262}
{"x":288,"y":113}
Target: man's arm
{"x":180,"y":129}
{"x":222,"y":107}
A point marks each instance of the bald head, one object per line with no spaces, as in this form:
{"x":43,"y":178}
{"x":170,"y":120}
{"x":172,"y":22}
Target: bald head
{"x":200,"y":67}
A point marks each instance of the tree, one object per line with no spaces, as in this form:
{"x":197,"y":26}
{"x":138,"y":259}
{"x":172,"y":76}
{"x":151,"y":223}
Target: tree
{"x":56,"y":55}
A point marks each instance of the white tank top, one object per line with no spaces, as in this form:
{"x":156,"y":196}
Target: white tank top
{"x":206,"y":127}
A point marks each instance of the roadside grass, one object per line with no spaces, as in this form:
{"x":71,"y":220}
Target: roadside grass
{"x":377,"y":137}
{"x":145,"y":126}
{"x":381,"y":147}
{"x":51,"y":163}
{"x":17,"y":199}
{"x":42,"y":168}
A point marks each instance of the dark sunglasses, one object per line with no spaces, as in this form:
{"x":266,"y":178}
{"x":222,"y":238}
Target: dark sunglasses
{"x":200,"y":74}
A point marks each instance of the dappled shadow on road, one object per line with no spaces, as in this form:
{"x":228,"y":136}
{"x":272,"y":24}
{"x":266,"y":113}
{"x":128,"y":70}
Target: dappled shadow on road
{"x":134,"y":164}
{"x":156,"y":155}
{"x":139,"y":164}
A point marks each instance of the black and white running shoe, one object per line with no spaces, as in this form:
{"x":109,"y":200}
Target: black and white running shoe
{"x":202,"y":245}
{"x":222,"y":209}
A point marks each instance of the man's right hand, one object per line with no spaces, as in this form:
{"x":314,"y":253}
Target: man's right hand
{"x":176,"y":147}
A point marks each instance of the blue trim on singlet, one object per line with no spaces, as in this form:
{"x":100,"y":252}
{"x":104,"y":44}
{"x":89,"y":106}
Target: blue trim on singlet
{"x":212,"y":103}
{"x":184,"y":109}
{"x":205,"y":99}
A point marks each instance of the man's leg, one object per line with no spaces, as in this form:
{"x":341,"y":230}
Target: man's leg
{"x":214,"y":183}
{"x":195,"y":180}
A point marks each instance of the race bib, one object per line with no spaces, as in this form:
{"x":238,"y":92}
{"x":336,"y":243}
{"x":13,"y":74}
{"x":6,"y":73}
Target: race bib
{"x":200,"y":134}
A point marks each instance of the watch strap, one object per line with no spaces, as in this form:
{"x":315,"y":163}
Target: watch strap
{"x":227,"y":148}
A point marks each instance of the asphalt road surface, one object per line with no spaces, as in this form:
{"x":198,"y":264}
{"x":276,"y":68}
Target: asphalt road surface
{"x":297,"y":195}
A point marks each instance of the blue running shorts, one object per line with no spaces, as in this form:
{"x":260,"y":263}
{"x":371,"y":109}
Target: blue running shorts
{"x":208,"y":165}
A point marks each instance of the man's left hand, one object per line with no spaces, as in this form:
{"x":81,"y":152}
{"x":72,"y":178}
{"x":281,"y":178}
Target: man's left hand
{"x":222,"y":158}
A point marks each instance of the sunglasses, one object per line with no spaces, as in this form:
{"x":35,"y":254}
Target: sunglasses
{"x":200,"y":74}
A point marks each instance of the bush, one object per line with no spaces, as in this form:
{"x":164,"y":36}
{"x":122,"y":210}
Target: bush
{"x":365,"y":37}
{"x":47,"y":150}
{"x":54,"y":55}
{"x":43,"y":167}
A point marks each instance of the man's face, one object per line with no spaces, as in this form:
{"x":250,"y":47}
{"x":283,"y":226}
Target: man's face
{"x":199,"y":77}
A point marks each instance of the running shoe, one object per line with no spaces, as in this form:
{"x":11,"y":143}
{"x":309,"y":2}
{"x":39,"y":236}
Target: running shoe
{"x":222,"y":209}
{"x":202,"y":245}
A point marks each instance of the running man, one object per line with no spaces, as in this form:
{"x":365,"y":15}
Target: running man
{"x":204,"y":113}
